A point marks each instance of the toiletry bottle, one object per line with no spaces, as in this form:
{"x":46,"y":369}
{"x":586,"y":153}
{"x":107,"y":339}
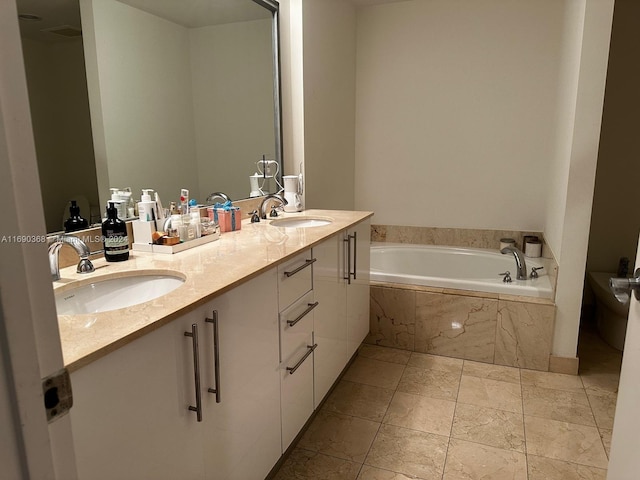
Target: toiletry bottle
{"x":75,"y":222}
{"x":146,"y":206}
{"x":184,"y":201}
{"x":160,"y":213}
{"x":114,"y":236}
{"x":195,"y":223}
{"x":118,"y":203}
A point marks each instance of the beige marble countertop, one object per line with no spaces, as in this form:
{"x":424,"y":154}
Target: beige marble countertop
{"x":209,"y":270}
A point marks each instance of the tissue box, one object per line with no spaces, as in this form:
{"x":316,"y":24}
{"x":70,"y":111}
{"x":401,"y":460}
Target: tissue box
{"x":229,"y":219}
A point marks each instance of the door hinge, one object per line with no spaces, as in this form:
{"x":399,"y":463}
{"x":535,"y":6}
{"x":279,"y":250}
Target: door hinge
{"x":58,"y":397}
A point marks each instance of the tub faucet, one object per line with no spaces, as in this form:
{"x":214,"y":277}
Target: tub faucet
{"x":521,"y":270}
{"x":265,"y":201}
{"x":55,"y":244}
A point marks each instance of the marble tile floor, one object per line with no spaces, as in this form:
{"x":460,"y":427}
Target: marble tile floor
{"x":399,"y":415}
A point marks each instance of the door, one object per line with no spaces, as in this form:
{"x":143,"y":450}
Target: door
{"x":29,"y":339}
{"x":624,"y":462}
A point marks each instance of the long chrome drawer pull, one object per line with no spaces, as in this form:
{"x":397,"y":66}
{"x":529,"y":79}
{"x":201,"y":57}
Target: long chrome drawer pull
{"x":347,"y":269}
{"x":216,"y":355}
{"x":310,"y":306}
{"x":305,"y":265}
{"x":196,"y":370}
{"x":293,"y":369}
{"x":355,"y":254}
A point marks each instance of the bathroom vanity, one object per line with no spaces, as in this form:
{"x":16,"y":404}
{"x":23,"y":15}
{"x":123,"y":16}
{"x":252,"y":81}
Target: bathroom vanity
{"x":216,"y":378}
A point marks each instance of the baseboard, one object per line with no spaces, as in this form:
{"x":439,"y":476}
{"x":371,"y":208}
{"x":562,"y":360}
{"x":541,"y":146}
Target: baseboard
{"x":566,"y":365}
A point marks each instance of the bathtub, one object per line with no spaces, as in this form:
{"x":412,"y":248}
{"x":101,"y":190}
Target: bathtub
{"x":459,"y":268}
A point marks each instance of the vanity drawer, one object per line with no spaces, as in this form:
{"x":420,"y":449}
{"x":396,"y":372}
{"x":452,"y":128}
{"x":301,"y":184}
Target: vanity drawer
{"x":294,"y":278}
{"x":296,"y":326}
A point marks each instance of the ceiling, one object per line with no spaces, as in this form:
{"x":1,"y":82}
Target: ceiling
{"x":188,"y":13}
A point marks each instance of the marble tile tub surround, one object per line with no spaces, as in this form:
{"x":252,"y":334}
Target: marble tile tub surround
{"x":495,"y":422}
{"x":453,"y":237}
{"x":459,"y":237}
{"x":210,"y":270}
{"x":511,"y":331}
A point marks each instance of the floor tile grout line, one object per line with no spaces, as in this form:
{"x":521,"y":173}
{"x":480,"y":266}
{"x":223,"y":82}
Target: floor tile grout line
{"x":404,"y":367}
{"x":596,"y":422}
{"x":453,"y":419}
{"x":524,"y":426}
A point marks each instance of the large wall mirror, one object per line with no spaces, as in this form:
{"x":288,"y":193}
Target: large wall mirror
{"x":160,"y":94}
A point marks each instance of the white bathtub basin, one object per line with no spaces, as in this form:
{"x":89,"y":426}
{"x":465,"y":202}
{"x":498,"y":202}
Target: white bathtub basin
{"x":301,"y":222}
{"x":111,"y":293}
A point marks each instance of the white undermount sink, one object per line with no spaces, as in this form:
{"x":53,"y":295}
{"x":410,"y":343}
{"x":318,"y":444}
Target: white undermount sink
{"x":301,"y":222}
{"x":113,"y":292}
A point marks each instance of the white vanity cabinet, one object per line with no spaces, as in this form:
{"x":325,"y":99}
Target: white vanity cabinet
{"x":341,"y":287}
{"x":268,"y":351}
{"x":297,"y":346}
{"x":242,"y":431}
{"x":131,"y":417}
{"x":330,"y":319}
{"x":358,"y":295}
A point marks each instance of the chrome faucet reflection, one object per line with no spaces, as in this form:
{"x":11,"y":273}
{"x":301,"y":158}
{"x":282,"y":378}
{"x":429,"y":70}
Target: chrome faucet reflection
{"x":520,"y":262}
{"x":55,"y":244}
{"x":214,"y":195}
{"x":265,"y":203}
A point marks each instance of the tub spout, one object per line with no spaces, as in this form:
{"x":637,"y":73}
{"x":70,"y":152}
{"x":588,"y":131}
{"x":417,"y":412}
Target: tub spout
{"x":520,"y":262}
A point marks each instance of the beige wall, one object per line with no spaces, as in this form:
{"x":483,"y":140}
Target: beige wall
{"x":233,"y":103}
{"x":485,"y":116}
{"x":457,"y":111}
{"x":62,"y":129}
{"x":329,"y":103}
{"x":614,"y":224}
{"x":127,"y":112}
{"x":582,"y":168}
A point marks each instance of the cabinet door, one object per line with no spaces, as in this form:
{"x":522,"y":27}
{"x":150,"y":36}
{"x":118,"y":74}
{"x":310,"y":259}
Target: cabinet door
{"x":296,"y":383}
{"x":330,"y":316}
{"x":242,"y":432}
{"x":130,"y":417}
{"x":358,"y":288}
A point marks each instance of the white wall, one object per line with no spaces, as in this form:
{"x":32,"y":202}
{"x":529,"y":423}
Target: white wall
{"x":233,"y":103}
{"x":128,"y":111}
{"x":62,"y":127}
{"x":582,"y":170}
{"x":456,"y":111}
{"x":329,"y":103}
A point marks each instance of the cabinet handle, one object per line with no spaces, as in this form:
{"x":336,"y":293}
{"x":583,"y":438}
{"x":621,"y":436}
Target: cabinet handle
{"x":296,"y":270}
{"x":216,"y":355}
{"x":310,"y":306}
{"x":293,"y":369}
{"x":347,"y":266}
{"x":355,"y":253}
{"x":196,"y":370}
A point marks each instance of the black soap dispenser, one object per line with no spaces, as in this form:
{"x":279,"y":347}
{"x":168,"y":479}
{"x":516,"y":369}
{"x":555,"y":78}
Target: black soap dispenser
{"x":75,"y":222}
{"x":114,"y":236}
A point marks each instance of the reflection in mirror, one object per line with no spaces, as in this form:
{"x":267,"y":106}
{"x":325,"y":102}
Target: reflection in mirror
{"x":182,"y":94}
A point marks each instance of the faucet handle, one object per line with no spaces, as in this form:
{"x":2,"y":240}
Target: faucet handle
{"x":507,"y":276}
{"x":255,"y":217}
{"x":85,"y":266}
{"x":534,"y":272}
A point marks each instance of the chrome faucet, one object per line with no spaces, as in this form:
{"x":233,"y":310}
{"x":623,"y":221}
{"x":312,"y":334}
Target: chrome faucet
{"x":223,"y":196}
{"x":520,"y":262}
{"x":55,"y":244}
{"x":265,"y":201}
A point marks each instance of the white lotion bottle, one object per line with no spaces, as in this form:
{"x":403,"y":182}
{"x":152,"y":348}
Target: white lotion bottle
{"x":146,"y":207}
